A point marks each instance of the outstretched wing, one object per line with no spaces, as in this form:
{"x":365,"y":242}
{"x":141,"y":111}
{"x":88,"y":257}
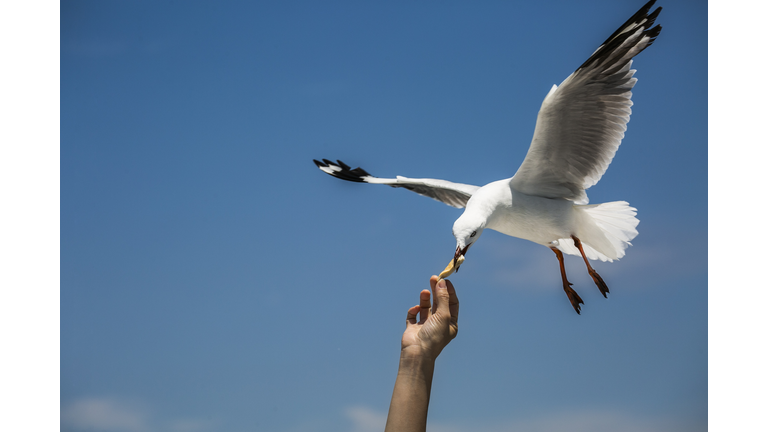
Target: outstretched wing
{"x":581,"y":123}
{"x":453,"y":194}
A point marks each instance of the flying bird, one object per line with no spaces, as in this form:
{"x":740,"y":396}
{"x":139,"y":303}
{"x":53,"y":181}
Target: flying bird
{"x":578,"y":130}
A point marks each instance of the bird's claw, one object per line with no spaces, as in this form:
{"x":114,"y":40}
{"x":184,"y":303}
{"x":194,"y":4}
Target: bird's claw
{"x":573,"y":297}
{"x":600,"y":283}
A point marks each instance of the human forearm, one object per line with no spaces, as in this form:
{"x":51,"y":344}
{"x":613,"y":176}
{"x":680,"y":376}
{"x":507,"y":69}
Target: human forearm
{"x":422,"y":342}
{"x":410,"y":398}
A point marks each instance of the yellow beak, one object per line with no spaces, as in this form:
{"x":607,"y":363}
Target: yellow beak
{"x":452,"y":266}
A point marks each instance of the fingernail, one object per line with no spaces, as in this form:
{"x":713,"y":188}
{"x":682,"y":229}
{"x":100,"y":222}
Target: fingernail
{"x":441,"y":283}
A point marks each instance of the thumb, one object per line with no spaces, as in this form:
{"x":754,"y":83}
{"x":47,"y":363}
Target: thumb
{"x":441,"y":299}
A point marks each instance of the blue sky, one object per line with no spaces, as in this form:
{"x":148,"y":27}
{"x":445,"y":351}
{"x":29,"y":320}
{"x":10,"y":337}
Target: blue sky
{"x":213,"y":279}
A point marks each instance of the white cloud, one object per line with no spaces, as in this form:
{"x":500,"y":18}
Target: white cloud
{"x":531,"y":267}
{"x":583,"y":421}
{"x":118,"y":415}
{"x":365,"y":419}
{"x":104,"y":415}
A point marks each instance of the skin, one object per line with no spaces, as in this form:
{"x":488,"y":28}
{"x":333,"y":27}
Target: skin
{"x":423,"y":340}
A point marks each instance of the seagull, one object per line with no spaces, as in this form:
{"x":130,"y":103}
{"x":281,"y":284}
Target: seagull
{"x":578,"y":130}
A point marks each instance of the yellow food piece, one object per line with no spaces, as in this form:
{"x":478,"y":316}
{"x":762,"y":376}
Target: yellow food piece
{"x":450,"y":269}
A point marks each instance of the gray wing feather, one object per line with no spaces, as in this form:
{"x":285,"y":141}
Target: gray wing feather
{"x":453,"y":194}
{"x":581,"y":123}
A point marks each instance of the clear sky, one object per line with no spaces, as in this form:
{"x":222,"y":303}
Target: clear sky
{"x":213,"y":279}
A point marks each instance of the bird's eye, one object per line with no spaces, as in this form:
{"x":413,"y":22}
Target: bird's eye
{"x":473,"y":233}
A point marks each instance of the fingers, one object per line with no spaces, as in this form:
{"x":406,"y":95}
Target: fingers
{"x":445,"y":302}
{"x":453,"y":302}
{"x":424,"y":306}
{"x":411,"y":317}
{"x":442,"y":298}
{"x":433,"y":281}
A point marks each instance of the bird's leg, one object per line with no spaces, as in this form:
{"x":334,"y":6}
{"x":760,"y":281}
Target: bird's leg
{"x":595,"y":277}
{"x":572,"y":296}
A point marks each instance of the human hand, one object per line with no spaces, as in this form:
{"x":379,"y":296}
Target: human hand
{"x":437,"y":324}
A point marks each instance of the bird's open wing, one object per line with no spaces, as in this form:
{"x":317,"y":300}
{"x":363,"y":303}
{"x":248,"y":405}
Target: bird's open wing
{"x":581,"y":123}
{"x":453,"y":194}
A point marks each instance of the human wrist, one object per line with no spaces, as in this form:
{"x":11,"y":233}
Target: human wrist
{"x":414,"y":369}
{"x":413,"y":358}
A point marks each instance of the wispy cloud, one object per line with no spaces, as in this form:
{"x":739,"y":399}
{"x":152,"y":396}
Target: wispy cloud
{"x":118,"y":415}
{"x":587,"y":421}
{"x":530,"y":267}
{"x":367,"y":419}
{"x":93,"y":414}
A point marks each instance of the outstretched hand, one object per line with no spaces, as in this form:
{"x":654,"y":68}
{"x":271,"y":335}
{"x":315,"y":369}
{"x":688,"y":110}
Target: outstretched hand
{"x":422,"y":342}
{"x":438,"y":321}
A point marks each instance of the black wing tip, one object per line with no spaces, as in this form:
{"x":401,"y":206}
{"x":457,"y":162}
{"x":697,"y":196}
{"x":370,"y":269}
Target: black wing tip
{"x":641,"y":19}
{"x":653,"y":33}
{"x":343,"y":170}
{"x":652,"y":16}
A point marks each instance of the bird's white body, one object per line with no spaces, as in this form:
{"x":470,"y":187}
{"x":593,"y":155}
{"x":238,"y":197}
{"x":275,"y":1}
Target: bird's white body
{"x":605,"y":229}
{"x":540,"y":220}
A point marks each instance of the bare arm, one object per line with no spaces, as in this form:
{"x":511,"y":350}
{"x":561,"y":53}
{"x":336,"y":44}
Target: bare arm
{"x":422,"y":342}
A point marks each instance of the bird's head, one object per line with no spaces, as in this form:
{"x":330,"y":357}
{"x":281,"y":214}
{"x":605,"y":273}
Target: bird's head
{"x":466,"y":230}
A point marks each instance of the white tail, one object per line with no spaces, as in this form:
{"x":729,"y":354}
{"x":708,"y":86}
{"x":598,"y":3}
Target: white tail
{"x":605,"y":230}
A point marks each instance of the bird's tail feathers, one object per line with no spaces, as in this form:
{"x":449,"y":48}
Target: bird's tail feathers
{"x":605,"y":230}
